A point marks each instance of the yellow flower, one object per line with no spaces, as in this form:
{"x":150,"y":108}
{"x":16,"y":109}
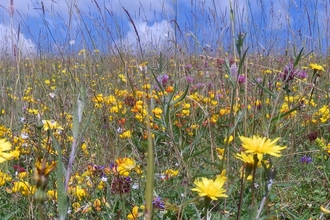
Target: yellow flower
{"x":6,"y":146}
{"x":47,"y":82}
{"x":23,"y":187}
{"x":211,"y":188}
{"x":75,"y":206}
{"x":51,"y":124}
{"x":4,"y":177}
{"x":125,"y":165}
{"x":157,"y":112}
{"x":125,"y":134}
{"x":122,"y":77}
{"x":248,"y":158}
{"x":52,"y":194}
{"x":79,"y":192}
{"x":258,"y":145}
{"x":315,"y":66}
{"x":220,"y":153}
{"x":324,"y":210}
{"x":42,"y":170}
{"x":230,"y":139}
{"x":171,"y":173}
{"x":134,"y":214}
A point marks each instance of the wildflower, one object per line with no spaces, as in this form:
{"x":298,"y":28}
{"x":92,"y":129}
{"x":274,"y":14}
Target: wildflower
{"x":125,"y":165}
{"x":185,"y":112}
{"x":233,"y":70}
{"x":211,"y":188}
{"x":51,"y":125}
{"x":316,"y":67}
{"x":122,"y":77}
{"x":324,"y":210}
{"x":121,"y":185}
{"x":4,"y":177}
{"x":52,"y":194}
{"x":171,"y":173}
{"x":163,"y":79}
{"x":42,"y":171}
{"x":302,"y":74}
{"x":241,"y":79}
{"x":248,"y":159}
{"x":190,"y":79}
{"x":305,"y":159}
{"x":157,"y":112}
{"x":79,"y":192}
{"x":158,"y":203}
{"x":220,"y":153}
{"x":228,"y":140}
{"x":134,"y":213}
{"x":258,"y":145}
{"x":75,"y":206}
{"x":81,"y":52}
{"x":97,"y":204}
{"x":23,"y":187}
{"x":6,"y":146}
{"x":169,"y":89}
{"x":288,"y":73}
{"x":312,"y":136}
{"x":125,"y":134}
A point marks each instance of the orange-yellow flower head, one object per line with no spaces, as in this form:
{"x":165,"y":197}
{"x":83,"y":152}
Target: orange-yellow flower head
{"x":211,"y":188}
{"x":125,"y":165}
{"x":259,"y":145}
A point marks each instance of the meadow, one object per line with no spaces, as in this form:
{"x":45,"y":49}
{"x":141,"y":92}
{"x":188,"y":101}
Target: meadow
{"x":231,"y":134}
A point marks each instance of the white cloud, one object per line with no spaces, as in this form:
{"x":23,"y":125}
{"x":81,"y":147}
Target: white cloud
{"x":155,"y":37}
{"x":23,"y":45}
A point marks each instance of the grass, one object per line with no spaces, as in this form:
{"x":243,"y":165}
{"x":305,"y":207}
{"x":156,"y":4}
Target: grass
{"x":127,"y":134}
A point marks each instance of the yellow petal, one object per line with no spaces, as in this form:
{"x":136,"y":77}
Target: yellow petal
{"x":324,"y":210}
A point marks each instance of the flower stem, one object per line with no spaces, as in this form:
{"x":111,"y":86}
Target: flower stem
{"x":207,"y":202}
{"x":241,"y":196}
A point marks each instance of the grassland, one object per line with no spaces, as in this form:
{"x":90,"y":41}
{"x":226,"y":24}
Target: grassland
{"x":174,"y":135}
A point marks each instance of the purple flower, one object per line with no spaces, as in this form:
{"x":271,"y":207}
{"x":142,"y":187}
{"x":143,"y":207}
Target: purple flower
{"x":259,"y":80}
{"x":288,"y":73}
{"x":305,"y":159}
{"x":188,"y":66}
{"x":233,"y":70}
{"x":163,"y":79}
{"x":190,"y":79}
{"x":158,"y":203}
{"x":241,"y":79}
{"x":302,"y":74}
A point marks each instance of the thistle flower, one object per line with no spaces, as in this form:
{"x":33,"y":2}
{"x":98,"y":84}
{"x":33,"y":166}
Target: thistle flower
{"x":258,"y":145}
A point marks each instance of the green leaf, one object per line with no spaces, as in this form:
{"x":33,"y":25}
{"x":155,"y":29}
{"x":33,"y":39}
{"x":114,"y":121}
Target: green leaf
{"x":263,"y":88}
{"x":62,"y":196}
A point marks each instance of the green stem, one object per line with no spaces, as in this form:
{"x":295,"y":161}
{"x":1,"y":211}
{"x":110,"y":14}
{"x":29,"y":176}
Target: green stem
{"x":41,"y":211}
{"x":207,"y":202}
{"x":150,"y":174}
{"x":241,"y":195}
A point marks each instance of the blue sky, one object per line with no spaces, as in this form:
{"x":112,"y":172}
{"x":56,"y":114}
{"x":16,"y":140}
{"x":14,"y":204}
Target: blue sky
{"x":51,"y":26}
